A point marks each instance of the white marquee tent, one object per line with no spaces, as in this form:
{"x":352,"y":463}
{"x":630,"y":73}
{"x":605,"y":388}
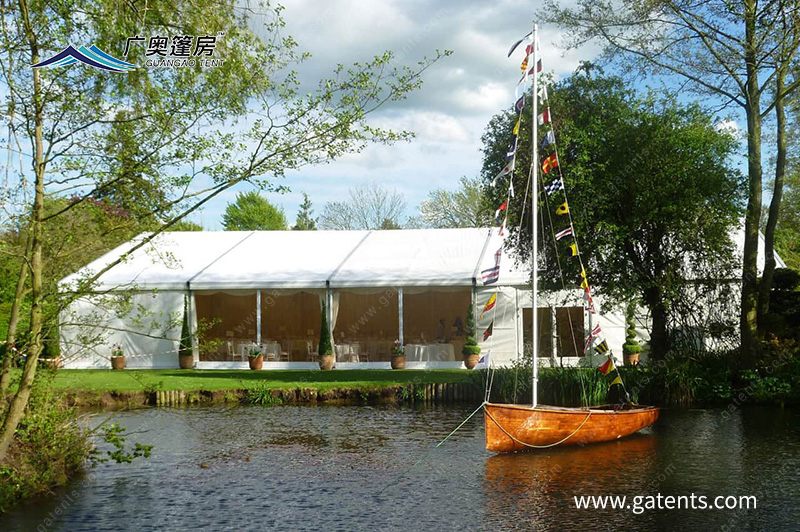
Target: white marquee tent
{"x":266,"y":288}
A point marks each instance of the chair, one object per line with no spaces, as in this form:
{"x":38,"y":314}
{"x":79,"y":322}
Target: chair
{"x":311,"y":353}
{"x":232,"y":352}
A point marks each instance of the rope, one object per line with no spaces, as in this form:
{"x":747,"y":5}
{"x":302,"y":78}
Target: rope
{"x":461,"y":425}
{"x":559,"y":442}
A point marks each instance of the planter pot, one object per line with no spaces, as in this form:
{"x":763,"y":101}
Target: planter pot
{"x":326,"y":362}
{"x":631,"y":359}
{"x":51,"y":363}
{"x":118,"y":362}
{"x":256,"y":363}
{"x":470,"y":361}
{"x":186,"y":361}
{"x":399,"y":362}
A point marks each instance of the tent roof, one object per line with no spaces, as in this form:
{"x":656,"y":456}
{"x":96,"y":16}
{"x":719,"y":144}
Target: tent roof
{"x":237,"y":260}
{"x":232,"y":260}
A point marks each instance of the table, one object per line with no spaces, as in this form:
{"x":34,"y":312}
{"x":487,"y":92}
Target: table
{"x":270,"y":349}
{"x":429,"y":352}
{"x":347,"y":352}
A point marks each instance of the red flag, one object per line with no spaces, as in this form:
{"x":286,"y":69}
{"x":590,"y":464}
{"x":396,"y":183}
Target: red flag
{"x":607,"y":366}
{"x":503,"y":206}
{"x":544,"y":118}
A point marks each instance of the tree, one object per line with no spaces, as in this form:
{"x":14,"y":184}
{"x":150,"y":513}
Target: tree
{"x":305,"y":221}
{"x":464,"y":207}
{"x":740,"y":53}
{"x":647,"y":221}
{"x":369,"y":207}
{"x":253,"y":212}
{"x":63,"y":117}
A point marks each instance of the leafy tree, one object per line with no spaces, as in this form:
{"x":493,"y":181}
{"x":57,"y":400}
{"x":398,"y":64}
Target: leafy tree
{"x":368,"y":207}
{"x":464,"y":207}
{"x":64,"y":116}
{"x":253,"y":212}
{"x":647,"y":219}
{"x":305,"y":220}
{"x":740,"y":53}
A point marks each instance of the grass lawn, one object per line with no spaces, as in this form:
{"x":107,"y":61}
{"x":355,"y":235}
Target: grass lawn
{"x":188,"y":380}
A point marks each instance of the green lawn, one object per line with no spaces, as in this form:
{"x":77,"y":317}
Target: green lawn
{"x":173,"y":379}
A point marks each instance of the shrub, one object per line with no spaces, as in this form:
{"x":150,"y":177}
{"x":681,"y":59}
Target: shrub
{"x":471,"y":347}
{"x":325,"y":340}
{"x":185,"y":345}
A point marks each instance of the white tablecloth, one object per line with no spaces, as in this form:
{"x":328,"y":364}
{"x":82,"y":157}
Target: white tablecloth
{"x":347,"y":352}
{"x":429,"y":352}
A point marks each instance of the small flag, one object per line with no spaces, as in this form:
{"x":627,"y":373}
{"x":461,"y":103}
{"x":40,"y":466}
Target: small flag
{"x":587,"y":296}
{"x":484,"y":358}
{"x":617,"y":380}
{"x":503,"y":206}
{"x":563,"y":233}
{"x":491,"y":275}
{"x":524,"y":64}
{"x":538,"y":65}
{"x":550,"y":162}
{"x":544,"y":118}
{"x":606,"y":367}
{"x":543,"y":93}
{"x":515,"y":131}
{"x":549,"y":139}
{"x":488,"y":332}
{"x":502,"y":230}
{"x":563,"y":209}
{"x":584,"y":284}
{"x":520,"y":104}
{"x":593,"y":334}
{"x":514,"y":46}
{"x":511,"y":187}
{"x":489,"y":304}
{"x":573,"y":249}
{"x":601,"y":348}
{"x":507,"y":169}
{"x":554,"y":186}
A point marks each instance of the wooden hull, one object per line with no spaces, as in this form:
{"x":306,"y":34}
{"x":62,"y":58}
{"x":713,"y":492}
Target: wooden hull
{"x":512,"y":428}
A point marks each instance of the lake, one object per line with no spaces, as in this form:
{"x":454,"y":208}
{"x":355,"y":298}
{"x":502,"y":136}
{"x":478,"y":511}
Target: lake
{"x":360,"y":468}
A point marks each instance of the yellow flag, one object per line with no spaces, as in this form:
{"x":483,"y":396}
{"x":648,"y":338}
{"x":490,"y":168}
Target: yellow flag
{"x":573,"y":248}
{"x":489,"y":304}
{"x":585,"y":284}
{"x":617,"y":380}
{"x":515,"y":131}
{"x":563,"y":208}
{"x":583,"y":273}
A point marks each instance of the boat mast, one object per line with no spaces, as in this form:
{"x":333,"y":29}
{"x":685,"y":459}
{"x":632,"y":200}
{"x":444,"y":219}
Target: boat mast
{"x":535,"y":217}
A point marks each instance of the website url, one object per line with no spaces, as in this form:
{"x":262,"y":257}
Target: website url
{"x":642,"y":503}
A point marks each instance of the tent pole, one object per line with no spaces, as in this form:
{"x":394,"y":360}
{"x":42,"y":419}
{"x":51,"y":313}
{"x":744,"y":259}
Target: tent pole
{"x":258,"y":317}
{"x":400,"y":314}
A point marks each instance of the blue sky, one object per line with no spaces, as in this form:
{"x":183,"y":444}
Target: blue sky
{"x":449,"y":113}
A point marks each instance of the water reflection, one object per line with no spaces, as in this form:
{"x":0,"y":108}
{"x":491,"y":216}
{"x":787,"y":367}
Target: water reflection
{"x":359,"y":468}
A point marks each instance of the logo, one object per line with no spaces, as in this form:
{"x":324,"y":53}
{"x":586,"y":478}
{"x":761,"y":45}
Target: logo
{"x":94,"y":57}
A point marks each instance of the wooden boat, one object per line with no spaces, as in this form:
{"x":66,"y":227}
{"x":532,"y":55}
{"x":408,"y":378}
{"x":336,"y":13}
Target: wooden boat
{"x":511,"y":428}
{"x":515,"y":427}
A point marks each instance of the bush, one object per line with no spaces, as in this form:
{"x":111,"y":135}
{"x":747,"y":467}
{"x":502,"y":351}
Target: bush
{"x":471,"y":346}
{"x":185,"y":345}
{"x":325,"y":343}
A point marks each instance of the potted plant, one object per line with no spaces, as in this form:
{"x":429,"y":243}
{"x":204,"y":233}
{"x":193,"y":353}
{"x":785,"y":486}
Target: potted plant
{"x":398,"y":355}
{"x":325,"y":352}
{"x":471,"y":350}
{"x":631,"y":347}
{"x":256,"y":358}
{"x":185,"y":354}
{"x":117,"y":357}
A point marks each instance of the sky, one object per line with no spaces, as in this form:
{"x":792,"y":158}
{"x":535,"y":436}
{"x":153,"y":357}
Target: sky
{"x":448,"y":114}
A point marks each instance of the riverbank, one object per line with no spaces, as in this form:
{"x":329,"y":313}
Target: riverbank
{"x":172,"y":387}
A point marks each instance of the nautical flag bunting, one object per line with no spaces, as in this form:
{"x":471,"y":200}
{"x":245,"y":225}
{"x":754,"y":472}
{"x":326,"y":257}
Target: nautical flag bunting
{"x":503,"y":206}
{"x":550,"y":162}
{"x":617,"y":380}
{"x":606,"y":367}
{"x":563,"y":233}
{"x":548,"y":140}
{"x":520,"y":104}
{"x":488,"y":332}
{"x":593,"y":335}
{"x":544,"y":118}
{"x":573,"y":249}
{"x":562,"y":209}
{"x":554,"y":186}
{"x":601,"y":348}
{"x":489,"y":304}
